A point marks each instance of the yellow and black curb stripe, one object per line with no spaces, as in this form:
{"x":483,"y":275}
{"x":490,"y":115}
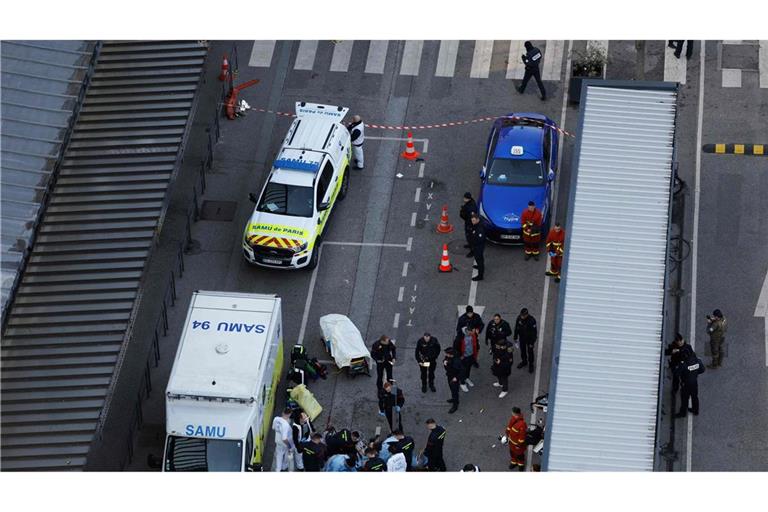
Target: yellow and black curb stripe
{"x":736,"y":149}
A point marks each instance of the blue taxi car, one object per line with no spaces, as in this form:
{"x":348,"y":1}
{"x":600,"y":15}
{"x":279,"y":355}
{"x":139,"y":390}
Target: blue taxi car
{"x":520,"y":166}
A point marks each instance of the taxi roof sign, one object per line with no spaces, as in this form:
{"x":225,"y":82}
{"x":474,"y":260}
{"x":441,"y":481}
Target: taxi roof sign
{"x":332,"y":112}
{"x":517,"y":150}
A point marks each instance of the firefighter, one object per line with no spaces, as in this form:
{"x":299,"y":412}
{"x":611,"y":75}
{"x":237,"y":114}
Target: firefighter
{"x":427,"y":352}
{"x":531,"y":221}
{"x":467,"y":209}
{"x":434,"y":449}
{"x":357,"y":134}
{"x":384,"y":353}
{"x":477,"y":246}
{"x":526,"y":332}
{"x":716,"y":327}
{"x":390,"y":399}
{"x":555,"y":248}
{"x":453,"y":371}
{"x":516,"y":429}
{"x":373,"y":463}
{"x":314,"y":453}
{"x":406,"y":445}
{"x":532,"y":59}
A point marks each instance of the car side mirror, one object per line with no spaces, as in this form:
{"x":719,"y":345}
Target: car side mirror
{"x":253,"y":197}
{"x":551,"y":175}
{"x":482,"y":173}
{"x":323,"y":206}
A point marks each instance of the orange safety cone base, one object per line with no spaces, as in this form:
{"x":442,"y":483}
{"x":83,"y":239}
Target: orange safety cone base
{"x":444,"y":228}
{"x":410,"y":156}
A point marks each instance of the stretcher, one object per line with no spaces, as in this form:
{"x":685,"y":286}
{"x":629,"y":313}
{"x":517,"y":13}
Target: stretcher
{"x":345,"y":344}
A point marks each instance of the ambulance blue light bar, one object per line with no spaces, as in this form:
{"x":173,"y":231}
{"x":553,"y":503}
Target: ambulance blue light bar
{"x":297,"y":165}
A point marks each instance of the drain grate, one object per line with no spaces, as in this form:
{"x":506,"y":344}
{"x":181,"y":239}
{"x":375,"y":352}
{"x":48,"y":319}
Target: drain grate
{"x":218,"y":210}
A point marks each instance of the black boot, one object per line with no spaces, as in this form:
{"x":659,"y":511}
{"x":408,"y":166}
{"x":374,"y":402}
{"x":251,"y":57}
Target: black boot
{"x":423,"y":387}
{"x":432,"y":387}
{"x":453,"y":409}
{"x":521,"y":365}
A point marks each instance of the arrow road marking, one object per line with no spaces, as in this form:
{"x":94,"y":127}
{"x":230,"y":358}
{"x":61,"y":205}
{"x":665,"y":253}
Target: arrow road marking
{"x":762,"y":310}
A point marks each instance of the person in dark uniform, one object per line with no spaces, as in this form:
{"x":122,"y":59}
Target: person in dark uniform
{"x":390,"y":399}
{"x":477,"y":246}
{"x":678,"y":46}
{"x":503,"y":357}
{"x":526,"y":332}
{"x":427,"y":352}
{"x":689,"y":370}
{"x":676,"y":350}
{"x":434,"y":449}
{"x":453,"y":371}
{"x":373,"y":463}
{"x":314,"y":453}
{"x":532,"y":59}
{"x":406,"y":445}
{"x":473,"y":321}
{"x":384,"y":353}
{"x":467,"y":209}
{"x":498,"y":329}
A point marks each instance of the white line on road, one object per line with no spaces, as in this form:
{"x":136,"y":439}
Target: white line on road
{"x":472,"y":291}
{"x":731,"y":78}
{"x":411,"y":58}
{"x":421,"y":170}
{"x":400,"y":294}
{"x":342,"y":51}
{"x":308,"y":302}
{"x":305,"y":56}
{"x":396,"y":321}
{"x":761,"y":309}
{"x":515,"y":66}
{"x":261,"y":54}
{"x":365,"y":244}
{"x":399,"y":138}
{"x":481,"y":59}
{"x":762,"y":59}
{"x":674,"y":68}
{"x":409,"y":245}
{"x":413,"y":219}
{"x":377,"y":57}
{"x":545,"y":298}
{"x":405,"y":269}
{"x":553,"y":60}
{"x":426,"y":145}
{"x":417,"y":198}
{"x":446,"y":58}
{"x":695,"y":240}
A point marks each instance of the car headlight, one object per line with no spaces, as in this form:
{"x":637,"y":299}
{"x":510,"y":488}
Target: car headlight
{"x":299,"y":248}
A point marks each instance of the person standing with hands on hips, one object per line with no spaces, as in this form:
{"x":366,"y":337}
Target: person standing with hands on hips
{"x":427,"y":352}
{"x":357,"y":134}
{"x":384,"y":353}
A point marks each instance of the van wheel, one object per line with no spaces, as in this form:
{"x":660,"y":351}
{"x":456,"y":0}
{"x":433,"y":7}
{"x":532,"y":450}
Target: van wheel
{"x":315,"y":255}
{"x":344,"y":184}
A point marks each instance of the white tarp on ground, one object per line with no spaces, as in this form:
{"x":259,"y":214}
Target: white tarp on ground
{"x":344,"y":339}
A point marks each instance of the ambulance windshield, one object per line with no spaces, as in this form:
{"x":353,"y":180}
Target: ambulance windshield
{"x":291,"y":200}
{"x":201,"y":454}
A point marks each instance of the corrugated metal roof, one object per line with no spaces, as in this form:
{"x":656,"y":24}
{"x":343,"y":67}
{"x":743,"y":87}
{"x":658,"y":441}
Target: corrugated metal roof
{"x":41,"y":81}
{"x":608,"y":340}
{"x":66,"y":329}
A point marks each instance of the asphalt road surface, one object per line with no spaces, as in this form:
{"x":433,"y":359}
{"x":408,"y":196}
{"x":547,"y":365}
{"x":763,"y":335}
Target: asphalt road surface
{"x":381,"y":252}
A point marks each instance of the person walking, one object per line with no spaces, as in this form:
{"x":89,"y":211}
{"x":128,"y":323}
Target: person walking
{"x":676,"y":351}
{"x":555,"y":247}
{"x":283,"y":441}
{"x":531,"y":221}
{"x":466,"y":348}
{"x":453,"y":371}
{"x":516,"y":429}
{"x":502,"y":351}
{"x":427,"y":352}
{"x":434,"y":449}
{"x":526,"y":332}
{"x":467,"y":209}
{"x":477,"y":246}
{"x":391,"y":399}
{"x":716,"y":328}
{"x":357,"y":135}
{"x":313,"y":453}
{"x":689,"y":370}
{"x":406,"y":445}
{"x":373,"y":463}
{"x":473,"y":321}
{"x":384,"y":353}
{"x":532,"y":59}
{"x":678,"y":46}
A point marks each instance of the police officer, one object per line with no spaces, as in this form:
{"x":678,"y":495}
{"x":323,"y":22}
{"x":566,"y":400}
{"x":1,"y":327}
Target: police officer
{"x":357,"y":134}
{"x":502,"y":351}
{"x":406,"y":445}
{"x":689,"y":370}
{"x":427,"y":352}
{"x":526,"y":332}
{"x":716,"y":327}
{"x":434,"y":449}
{"x":391,"y":398}
{"x":497,"y":330}
{"x":373,"y":462}
{"x":477,"y":246}
{"x":453,"y":371}
{"x":532,"y":59}
{"x":467,"y":209}
{"x":314,"y":453}
{"x":384,"y":353}
{"x":676,"y":351}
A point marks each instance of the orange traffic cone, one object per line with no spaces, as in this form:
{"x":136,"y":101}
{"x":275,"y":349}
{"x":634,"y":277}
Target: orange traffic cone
{"x":410,"y":153}
{"x":444,"y":227}
{"x":224,"y":69}
{"x":445,"y":263}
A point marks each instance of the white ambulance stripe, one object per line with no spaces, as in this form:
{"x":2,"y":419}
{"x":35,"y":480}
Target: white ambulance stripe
{"x":553,"y":60}
{"x":261,"y":54}
{"x":763,"y":64}
{"x":604,"y":46}
{"x":731,"y":78}
{"x":377,"y":57}
{"x":411,"y":58}
{"x":481,"y":60}
{"x":446,"y":58}
{"x":674,"y":68}
{"x":305,"y":57}
{"x":342,"y":51}
{"x":515,"y":66}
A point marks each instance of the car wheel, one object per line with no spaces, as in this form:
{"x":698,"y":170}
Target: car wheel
{"x":315,"y":255}
{"x":344,"y":184}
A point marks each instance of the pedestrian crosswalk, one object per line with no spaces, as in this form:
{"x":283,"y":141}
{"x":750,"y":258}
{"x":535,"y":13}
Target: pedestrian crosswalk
{"x":675,"y":69}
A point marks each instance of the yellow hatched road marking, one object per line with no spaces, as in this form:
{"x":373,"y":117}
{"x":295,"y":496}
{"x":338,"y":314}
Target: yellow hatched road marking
{"x":738,"y":149}
{"x":757,"y":149}
{"x":719,"y":148}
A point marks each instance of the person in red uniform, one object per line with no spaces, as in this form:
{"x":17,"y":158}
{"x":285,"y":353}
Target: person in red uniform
{"x":530,"y":221}
{"x":516,"y":430}
{"x":555,"y":244}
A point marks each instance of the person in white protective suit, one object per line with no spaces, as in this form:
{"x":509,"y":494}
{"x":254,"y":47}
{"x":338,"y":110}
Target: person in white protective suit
{"x":357,"y":133}
{"x":283,"y":441}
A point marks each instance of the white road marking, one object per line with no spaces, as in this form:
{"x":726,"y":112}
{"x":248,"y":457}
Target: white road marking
{"x":398,"y":138}
{"x":545,"y":298}
{"x":481,"y":59}
{"x":377,"y":57}
{"x":411,"y":58}
{"x":305,"y":56}
{"x":400,"y":294}
{"x":763,"y":63}
{"x":446,"y":58}
{"x":261,"y":54}
{"x":418,"y":195}
{"x":695,"y":239}
{"x":413,"y":219}
{"x":674,"y":68}
{"x":365,"y":244}
{"x":761,"y":309}
{"x":426,"y":145}
{"x":405,"y":269}
{"x":603,"y":44}
{"x":515,"y":66}
{"x":553,"y":60}
{"x":472,"y":290}
{"x":731,"y":77}
{"x":421,"y":170}
{"x":342,"y":52}
{"x":308,"y":302}
{"x":409,"y":245}
{"x":396,"y":321}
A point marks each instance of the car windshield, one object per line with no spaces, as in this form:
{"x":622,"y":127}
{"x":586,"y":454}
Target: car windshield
{"x":506,"y":171}
{"x":201,"y":454}
{"x":287,"y":200}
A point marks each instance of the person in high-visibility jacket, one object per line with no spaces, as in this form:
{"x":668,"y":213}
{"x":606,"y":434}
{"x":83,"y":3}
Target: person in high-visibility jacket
{"x":555,"y":248}
{"x":531,"y":221}
{"x":516,"y":429}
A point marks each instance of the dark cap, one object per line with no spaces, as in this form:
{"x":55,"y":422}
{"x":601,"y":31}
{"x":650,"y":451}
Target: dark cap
{"x":430,"y":420}
{"x":531,"y":203}
{"x":427,"y":334}
{"x":469,"y":309}
{"x":524,"y":311}
{"x":717,"y":313}
{"x":516,"y":410}
{"x":467,"y":195}
{"x":449,"y":350}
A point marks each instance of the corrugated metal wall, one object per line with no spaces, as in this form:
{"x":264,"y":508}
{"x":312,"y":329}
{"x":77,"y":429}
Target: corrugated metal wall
{"x":608,"y":341}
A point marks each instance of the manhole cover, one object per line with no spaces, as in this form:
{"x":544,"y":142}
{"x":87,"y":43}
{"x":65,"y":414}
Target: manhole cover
{"x":218,"y":210}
